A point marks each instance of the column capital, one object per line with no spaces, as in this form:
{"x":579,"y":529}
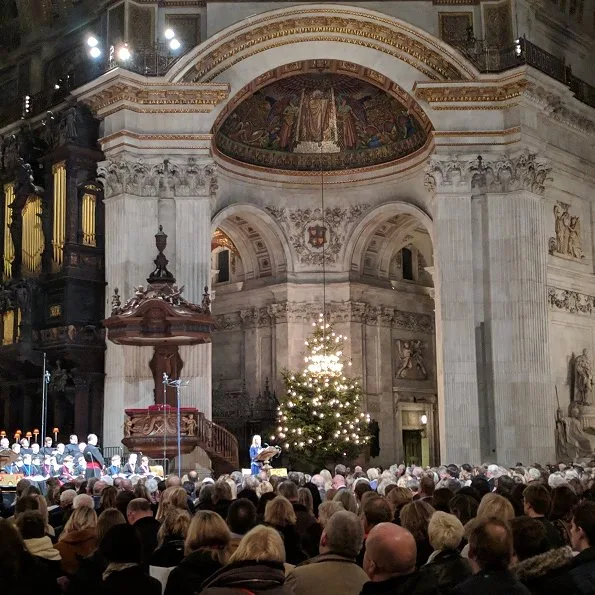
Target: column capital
{"x":498,"y":173}
{"x":171,"y":177}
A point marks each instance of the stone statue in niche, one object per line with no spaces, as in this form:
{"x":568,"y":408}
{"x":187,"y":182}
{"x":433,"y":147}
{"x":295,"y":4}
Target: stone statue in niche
{"x":572,"y":440}
{"x":583,"y":379}
{"x":568,"y":238}
{"x":411,"y":360}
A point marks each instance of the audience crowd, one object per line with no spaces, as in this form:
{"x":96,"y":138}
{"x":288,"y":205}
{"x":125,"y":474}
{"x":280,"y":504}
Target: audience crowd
{"x":402,"y":530}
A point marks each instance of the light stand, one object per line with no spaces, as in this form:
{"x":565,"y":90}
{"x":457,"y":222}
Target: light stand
{"x":44,"y":397}
{"x":178,"y":384}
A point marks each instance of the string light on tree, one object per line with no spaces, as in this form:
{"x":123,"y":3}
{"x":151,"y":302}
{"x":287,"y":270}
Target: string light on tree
{"x":320,"y":400}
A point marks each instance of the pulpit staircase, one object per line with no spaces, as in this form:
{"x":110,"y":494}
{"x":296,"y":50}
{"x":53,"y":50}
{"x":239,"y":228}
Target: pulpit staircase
{"x":220,"y":445}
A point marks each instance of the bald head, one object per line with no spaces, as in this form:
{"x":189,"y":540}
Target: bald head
{"x":390,"y":551}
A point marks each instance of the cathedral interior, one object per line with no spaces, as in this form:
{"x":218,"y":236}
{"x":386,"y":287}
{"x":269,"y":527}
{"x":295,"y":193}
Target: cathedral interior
{"x":419,"y":170}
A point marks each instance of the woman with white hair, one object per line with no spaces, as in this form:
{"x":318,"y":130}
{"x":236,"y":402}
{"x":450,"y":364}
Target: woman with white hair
{"x":445,"y":532}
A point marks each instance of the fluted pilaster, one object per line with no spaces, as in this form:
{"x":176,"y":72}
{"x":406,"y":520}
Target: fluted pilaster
{"x":455,"y":330}
{"x":524,"y":402}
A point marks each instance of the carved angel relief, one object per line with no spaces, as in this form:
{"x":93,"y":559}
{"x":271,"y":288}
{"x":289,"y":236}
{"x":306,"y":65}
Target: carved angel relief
{"x":568,"y":239}
{"x":411,"y":364}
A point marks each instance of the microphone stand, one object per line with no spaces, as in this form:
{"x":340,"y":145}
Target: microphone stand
{"x":178,"y":384}
{"x":44,"y":398}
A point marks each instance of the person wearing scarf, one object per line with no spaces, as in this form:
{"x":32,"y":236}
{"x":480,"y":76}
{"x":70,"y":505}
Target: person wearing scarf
{"x":32,"y":526}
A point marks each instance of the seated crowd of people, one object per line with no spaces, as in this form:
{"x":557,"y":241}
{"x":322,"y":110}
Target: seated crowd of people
{"x":408,"y":530}
{"x":64,"y":461}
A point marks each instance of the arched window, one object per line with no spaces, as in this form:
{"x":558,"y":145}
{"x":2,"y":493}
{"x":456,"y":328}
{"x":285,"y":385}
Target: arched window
{"x":223,"y":262}
{"x":407,"y":260}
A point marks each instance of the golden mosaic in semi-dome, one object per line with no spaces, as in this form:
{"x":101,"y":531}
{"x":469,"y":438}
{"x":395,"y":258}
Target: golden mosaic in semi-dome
{"x":321,"y":115}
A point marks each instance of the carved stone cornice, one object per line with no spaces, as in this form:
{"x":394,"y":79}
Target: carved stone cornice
{"x":338,"y":24}
{"x":165,"y":178}
{"x":502,"y":173}
{"x":573,"y":302}
{"x":141,"y":94}
{"x":338,"y":312}
{"x":443,"y":96}
{"x":557,"y":109}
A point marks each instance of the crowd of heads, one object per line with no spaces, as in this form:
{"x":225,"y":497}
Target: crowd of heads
{"x":391,"y":522}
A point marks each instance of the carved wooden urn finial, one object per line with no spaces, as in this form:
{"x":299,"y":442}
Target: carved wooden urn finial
{"x":161,"y":274}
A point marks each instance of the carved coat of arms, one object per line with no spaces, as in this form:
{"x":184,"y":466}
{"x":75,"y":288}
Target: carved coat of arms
{"x":317,"y":236}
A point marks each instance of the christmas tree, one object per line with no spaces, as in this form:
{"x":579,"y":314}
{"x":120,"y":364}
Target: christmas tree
{"x":320,"y":417}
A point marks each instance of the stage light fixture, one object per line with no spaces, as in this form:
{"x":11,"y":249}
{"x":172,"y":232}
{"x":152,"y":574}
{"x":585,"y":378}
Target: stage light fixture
{"x":424,"y":419}
{"x":92,"y":41}
{"x":174,"y":44}
{"x":95,"y":52}
{"x":169,"y":33}
{"x":124,"y":53}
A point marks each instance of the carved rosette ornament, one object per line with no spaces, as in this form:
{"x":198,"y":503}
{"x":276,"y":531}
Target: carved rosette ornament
{"x":167,"y":178}
{"x":499,"y":174}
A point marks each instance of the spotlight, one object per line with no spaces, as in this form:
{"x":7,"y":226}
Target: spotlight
{"x":174,"y":44}
{"x":424,"y":419}
{"x":56,"y":86}
{"x":92,"y":41}
{"x":517,"y":47}
{"x":169,"y":33}
{"x":124,"y":53}
{"x":95,"y":52}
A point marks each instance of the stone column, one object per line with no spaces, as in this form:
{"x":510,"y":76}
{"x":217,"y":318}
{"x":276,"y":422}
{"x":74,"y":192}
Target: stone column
{"x":517,"y":325}
{"x":456,"y":365}
{"x":193,"y":193}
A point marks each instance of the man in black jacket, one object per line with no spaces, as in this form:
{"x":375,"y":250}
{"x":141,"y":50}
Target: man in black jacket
{"x":490,"y":554}
{"x":140,"y":515}
{"x":582,"y":536}
{"x":389,"y":563}
{"x":536,"y":504}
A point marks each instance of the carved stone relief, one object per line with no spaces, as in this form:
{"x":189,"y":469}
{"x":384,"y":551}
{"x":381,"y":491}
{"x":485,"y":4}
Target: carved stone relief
{"x":573,"y":302}
{"x":410,"y":364}
{"x":305,"y":312}
{"x":166,"y":178}
{"x":310,"y":231}
{"x":568,"y":239}
{"x":502,"y":174}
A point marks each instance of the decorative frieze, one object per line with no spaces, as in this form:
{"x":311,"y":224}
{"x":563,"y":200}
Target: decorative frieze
{"x":166,"y":178}
{"x":314,"y":235}
{"x":338,"y":312}
{"x":499,"y":174}
{"x":573,"y":302}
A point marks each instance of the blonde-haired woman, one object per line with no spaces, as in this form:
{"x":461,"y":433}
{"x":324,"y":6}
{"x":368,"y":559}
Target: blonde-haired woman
{"x":446,"y":565}
{"x":280,"y":515}
{"x":255,"y":567}
{"x":78,"y":538}
{"x":207,"y":549}
{"x":172,"y":498}
{"x":397,"y":498}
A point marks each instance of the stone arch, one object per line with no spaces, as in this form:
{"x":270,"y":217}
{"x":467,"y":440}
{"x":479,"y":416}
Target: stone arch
{"x":321,"y":25}
{"x":258,"y":239}
{"x":392,"y":223}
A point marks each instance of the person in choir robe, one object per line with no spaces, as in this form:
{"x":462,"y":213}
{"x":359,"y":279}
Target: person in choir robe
{"x":93,"y":458}
{"x":14,"y":467}
{"x":144,"y":468}
{"x":73,"y":447}
{"x":47,"y":449}
{"x":80,"y":467}
{"x":131,"y":468}
{"x":116,"y":467}
{"x":25,"y":448}
{"x":60,"y":453}
{"x":4,"y":443}
{"x":29,"y":469}
{"x":35,"y":450}
{"x":67,"y":472}
{"x":47,"y":468}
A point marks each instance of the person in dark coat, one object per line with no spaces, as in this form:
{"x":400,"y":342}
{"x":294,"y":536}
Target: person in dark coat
{"x":580,"y":577}
{"x":20,"y":572}
{"x":207,"y":549}
{"x":389,"y":562}
{"x":140,"y":516}
{"x":279,"y":514}
{"x":255,"y":567}
{"x":445,"y":564}
{"x":306,"y":525}
{"x":93,"y":458}
{"x":170,"y":539}
{"x":536,"y":504}
{"x":490,"y":555}
{"x":122,"y":549}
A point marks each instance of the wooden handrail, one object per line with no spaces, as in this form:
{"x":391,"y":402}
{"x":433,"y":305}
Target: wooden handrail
{"x":218,"y":442}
